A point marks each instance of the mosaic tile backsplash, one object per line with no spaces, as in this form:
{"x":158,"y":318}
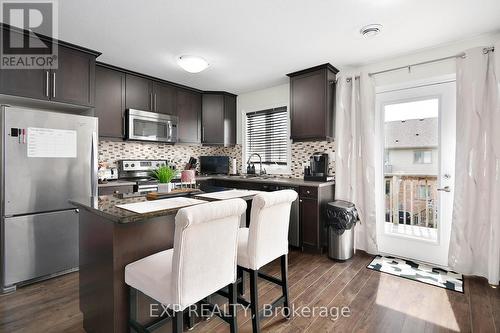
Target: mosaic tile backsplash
{"x":112,"y":151}
{"x":178,"y":155}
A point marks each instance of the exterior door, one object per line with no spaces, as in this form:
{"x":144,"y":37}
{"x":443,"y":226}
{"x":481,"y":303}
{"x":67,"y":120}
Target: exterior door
{"x":415,"y":181}
{"x":42,"y":176}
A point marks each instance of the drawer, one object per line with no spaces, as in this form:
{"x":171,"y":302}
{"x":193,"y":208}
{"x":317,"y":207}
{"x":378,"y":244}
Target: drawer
{"x":308,"y":192}
{"x":108,"y":190}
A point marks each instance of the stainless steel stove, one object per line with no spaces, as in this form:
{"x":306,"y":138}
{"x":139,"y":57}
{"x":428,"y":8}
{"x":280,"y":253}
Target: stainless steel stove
{"x":139,"y":171}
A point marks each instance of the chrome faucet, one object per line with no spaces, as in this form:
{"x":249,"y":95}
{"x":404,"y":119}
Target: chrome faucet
{"x":261,"y":171}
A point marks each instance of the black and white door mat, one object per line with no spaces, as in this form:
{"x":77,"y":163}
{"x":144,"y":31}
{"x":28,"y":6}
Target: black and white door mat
{"x":418,"y":272}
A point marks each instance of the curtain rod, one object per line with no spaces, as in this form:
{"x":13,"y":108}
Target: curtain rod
{"x":460,"y":55}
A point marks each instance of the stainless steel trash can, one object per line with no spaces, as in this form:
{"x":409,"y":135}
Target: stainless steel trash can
{"x":341,"y":217}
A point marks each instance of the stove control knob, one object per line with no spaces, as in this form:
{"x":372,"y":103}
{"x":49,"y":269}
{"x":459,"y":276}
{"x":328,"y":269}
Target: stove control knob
{"x":126,"y":165}
{"x":132,"y":165}
{"x":157,"y":164}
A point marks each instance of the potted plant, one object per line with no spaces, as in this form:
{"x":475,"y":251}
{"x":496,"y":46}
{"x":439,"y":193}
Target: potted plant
{"x":164,"y":175}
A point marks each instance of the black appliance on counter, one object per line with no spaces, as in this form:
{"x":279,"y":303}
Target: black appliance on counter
{"x":318,"y":168}
{"x":214,"y":165}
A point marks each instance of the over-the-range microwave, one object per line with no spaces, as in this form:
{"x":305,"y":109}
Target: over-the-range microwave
{"x":150,"y":126}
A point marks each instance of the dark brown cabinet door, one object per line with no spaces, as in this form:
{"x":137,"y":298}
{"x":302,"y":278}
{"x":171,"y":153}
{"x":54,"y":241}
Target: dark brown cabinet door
{"x":164,"y":96}
{"x":229,"y":120}
{"x":189,"y":113}
{"x":308,"y":100}
{"x":309,"y":222}
{"x":138,"y":93}
{"x":73,"y":81}
{"x":33,"y":83}
{"x":110,"y":101}
{"x":213,"y":119}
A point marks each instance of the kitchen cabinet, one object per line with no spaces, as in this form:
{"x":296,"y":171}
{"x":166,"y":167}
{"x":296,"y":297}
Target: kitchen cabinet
{"x":188,"y":106}
{"x":74,"y":79}
{"x":312,"y":204}
{"x":309,"y":221}
{"x":164,"y":98}
{"x":138,"y":93}
{"x":108,"y":190}
{"x":218,"y":118}
{"x":72,"y":82}
{"x":145,"y":94}
{"x":312,"y":103}
{"x":110,"y":101}
{"x":313,"y":201}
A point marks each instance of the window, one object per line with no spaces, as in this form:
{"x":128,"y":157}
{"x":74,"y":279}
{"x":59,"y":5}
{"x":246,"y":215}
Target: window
{"x":422,"y":157}
{"x":423,"y":191}
{"x":267,"y":135}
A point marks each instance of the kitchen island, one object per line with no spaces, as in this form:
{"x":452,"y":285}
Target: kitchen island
{"x":110,"y":238}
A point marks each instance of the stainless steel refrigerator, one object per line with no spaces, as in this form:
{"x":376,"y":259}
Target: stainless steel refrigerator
{"x":46,"y":159}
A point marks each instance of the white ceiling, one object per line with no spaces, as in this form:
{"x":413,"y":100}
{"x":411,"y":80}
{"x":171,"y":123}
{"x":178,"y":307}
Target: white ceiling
{"x":252,"y":44}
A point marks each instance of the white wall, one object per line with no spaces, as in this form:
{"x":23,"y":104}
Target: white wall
{"x":436,"y":69}
{"x":260,"y":100}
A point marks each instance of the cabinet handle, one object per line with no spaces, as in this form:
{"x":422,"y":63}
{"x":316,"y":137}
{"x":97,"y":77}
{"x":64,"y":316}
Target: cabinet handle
{"x":203,"y":134}
{"x":151,"y":107}
{"x":156,"y":109}
{"x":300,"y":200}
{"x":308,"y":192}
{"x":47,"y":83}
{"x":54,"y":85}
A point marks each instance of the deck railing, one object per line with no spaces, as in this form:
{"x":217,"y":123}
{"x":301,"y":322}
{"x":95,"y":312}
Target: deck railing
{"x":411,"y":199}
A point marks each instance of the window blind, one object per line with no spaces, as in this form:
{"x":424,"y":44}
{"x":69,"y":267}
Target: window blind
{"x":267,"y":135}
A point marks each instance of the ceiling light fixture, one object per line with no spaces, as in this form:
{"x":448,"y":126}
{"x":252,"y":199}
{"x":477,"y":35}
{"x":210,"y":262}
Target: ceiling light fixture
{"x":192,"y":64}
{"x":371,"y":30}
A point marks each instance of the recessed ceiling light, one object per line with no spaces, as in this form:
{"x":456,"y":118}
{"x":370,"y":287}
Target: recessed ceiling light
{"x":192,"y":64}
{"x":371,"y":30}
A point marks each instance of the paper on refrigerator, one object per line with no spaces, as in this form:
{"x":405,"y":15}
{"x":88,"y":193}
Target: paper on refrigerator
{"x":50,"y":142}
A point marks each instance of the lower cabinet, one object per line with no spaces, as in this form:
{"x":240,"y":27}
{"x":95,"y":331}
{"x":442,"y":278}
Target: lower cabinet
{"x":309,"y":223}
{"x":313,"y":201}
{"x":108,"y":190}
{"x":312,"y":204}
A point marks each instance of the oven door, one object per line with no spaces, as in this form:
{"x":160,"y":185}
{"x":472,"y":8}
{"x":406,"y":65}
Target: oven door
{"x":150,"y":126}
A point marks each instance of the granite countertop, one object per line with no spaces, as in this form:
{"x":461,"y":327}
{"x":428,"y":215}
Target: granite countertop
{"x":105,"y":206}
{"x":270,"y":180}
{"x":116,"y":183}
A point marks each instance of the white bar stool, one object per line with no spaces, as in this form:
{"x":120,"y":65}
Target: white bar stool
{"x":264,"y":241}
{"x":202,"y":262}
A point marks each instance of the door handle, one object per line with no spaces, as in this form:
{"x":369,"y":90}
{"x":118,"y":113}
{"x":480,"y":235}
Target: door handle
{"x":47,"y":83}
{"x":54,"y":85}
{"x":444,"y":189}
{"x":93,"y":166}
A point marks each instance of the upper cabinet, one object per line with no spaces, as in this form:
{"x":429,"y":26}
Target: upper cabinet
{"x":72,"y":82}
{"x":188,"y":109}
{"x":312,"y":103}
{"x":110,"y":101}
{"x":146,"y":94}
{"x":219,"y":118}
{"x":139,"y":93}
{"x":164,"y":98}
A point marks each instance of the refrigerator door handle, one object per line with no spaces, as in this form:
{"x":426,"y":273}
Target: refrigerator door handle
{"x":93,"y":166}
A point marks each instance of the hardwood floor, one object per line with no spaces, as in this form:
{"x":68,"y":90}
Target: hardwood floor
{"x":377,"y":302}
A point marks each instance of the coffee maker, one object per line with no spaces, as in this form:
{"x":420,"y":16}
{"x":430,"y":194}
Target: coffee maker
{"x":318,"y":168}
